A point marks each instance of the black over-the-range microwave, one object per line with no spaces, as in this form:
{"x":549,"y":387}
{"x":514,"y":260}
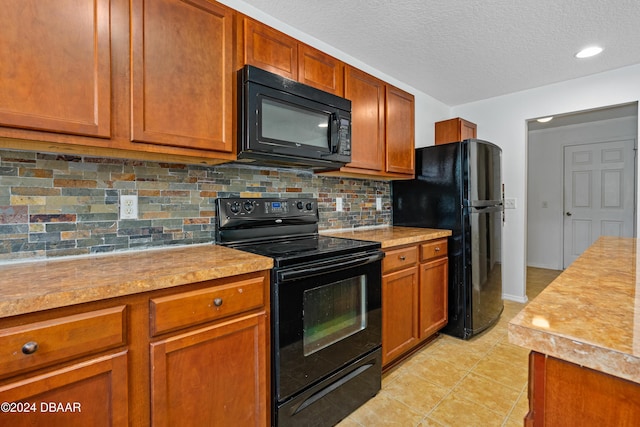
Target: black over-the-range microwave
{"x":282,"y":122}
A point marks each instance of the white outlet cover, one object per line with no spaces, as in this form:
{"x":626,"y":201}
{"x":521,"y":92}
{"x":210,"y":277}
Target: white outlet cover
{"x":128,"y":207}
{"x":378,"y":203}
{"x":339,"y":204}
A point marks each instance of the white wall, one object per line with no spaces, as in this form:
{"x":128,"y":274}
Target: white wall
{"x":503,"y":120}
{"x":545,"y":182}
{"x":428,"y":109}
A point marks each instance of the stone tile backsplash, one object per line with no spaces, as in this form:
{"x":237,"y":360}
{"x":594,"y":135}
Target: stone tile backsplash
{"x":59,"y":205}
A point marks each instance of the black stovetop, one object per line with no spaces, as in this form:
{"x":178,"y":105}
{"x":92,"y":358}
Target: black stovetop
{"x":285,"y":229}
{"x":302,"y":249}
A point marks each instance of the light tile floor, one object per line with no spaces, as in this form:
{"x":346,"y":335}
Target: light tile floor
{"x":481,"y":382}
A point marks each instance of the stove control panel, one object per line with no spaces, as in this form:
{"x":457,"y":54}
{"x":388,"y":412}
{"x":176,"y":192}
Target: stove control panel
{"x":250,"y":212}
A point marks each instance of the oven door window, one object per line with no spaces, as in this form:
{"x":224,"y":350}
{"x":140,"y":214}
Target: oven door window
{"x":333,"y":312}
{"x":284,"y":122}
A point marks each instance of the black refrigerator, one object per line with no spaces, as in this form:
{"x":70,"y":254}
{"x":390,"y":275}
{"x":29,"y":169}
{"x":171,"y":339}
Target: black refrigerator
{"x":457,"y":186}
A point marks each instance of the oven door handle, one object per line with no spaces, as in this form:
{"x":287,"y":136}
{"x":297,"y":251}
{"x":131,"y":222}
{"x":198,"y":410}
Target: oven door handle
{"x":328,"y":266}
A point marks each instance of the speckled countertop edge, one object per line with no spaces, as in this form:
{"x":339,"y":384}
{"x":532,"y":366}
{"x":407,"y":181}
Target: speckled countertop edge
{"x":589,"y":315}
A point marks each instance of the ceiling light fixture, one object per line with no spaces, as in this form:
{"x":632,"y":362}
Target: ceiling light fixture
{"x":545,"y":119}
{"x":589,"y":51}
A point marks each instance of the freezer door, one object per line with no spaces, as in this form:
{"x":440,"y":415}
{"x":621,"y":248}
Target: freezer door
{"x":486,"y":267}
{"x":485,"y":186}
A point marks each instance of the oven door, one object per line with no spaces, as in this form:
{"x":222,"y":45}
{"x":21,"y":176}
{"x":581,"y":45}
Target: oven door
{"x":325,"y":315}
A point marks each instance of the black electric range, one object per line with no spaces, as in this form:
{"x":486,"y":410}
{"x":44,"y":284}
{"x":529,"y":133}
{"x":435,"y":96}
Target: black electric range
{"x":326,"y":308}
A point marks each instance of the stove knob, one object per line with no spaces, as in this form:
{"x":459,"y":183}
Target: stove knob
{"x":234,"y":207}
{"x":248,"y":206}
{"x":300,"y":205}
{"x":309,"y":206}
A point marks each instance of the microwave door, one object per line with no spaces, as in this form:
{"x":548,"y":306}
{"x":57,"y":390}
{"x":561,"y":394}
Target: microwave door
{"x":288,"y":124}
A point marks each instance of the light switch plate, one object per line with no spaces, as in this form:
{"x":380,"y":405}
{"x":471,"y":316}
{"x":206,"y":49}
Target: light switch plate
{"x":378,"y":203}
{"x":338,"y":204}
{"x":509,"y":203}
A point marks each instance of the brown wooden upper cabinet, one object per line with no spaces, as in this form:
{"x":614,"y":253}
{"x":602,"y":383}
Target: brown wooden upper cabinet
{"x":382,"y":128}
{"x":182,"y":74}
{"x":454,"y":130}
{"x":367,"y":95}
{"x":276,"y":52}
{"x":400,"y":125}
{"x":52,"y":78}
{"x":118,"y":78}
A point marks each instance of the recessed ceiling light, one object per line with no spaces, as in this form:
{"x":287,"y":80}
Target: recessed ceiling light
{"x":545,"y":119}
{"x":589,"y":51}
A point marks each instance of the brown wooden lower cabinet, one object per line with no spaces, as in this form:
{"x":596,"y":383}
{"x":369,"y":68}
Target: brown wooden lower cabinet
{"x":196,"y":355}
{"x":564,"y":394}
{"x":414,"y":296}
{"x":89,"y":393}
{"x":211,"y":376}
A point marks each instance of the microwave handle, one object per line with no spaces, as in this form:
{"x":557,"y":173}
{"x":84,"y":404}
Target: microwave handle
{"x":334,"y":128}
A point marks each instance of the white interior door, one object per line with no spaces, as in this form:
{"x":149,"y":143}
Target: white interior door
{"x":598,"y":194}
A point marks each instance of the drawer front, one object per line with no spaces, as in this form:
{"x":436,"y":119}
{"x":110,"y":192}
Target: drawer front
{"x":191,"y":308}
{"x":40,"y":344}
{"x":397,"y":259}
{"x":434,"y":249}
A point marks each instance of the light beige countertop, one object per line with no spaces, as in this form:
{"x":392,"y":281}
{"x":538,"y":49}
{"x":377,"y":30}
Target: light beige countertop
{"x":589,"y":315}
{"x":40,"y":285}
{"x":391,"y":236}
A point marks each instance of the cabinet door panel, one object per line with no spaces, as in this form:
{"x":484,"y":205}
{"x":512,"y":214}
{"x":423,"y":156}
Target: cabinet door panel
{"x":399,"y":313}
{"x":92,"y":393}
{"x":433,"y":296}
{"x":320,"y":70}
{"x":56,"y":73}
{"x":215,"y":376}
{"x":270,"y":50}
{"x":367,"y":114}
{"x":182,"y":74}
{"x":400,"y":131}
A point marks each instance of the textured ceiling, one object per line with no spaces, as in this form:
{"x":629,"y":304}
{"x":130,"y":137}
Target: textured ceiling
{"x":460,"y":51}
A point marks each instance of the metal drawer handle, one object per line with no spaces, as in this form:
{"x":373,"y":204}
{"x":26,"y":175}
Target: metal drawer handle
{"x":437,"y":249}
{"x":30,"y":347}
{"x":217,"y":302}
{"x":402,"y":257}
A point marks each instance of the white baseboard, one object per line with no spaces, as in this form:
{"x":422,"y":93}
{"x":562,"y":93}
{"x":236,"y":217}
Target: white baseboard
{"x":522,"y":300}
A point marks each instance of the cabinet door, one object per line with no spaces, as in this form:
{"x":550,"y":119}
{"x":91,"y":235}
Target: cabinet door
{"x":182,"y":74}
{"x":56,"y":73}
{"x":400,"y":147}
{"x":367,"y":96}
{"x":399,"y":313}
{"x":270,"y":50}
{"x":214,"y":376}
{"x":320,"y":70}
{"x":433,"y":296}
{"x":92,"y":393}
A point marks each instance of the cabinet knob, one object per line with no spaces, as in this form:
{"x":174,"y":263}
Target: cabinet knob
{"x":402,"y":257}
{"x":30,"y":347}
{"x":217,"y":302}
{"x":437,"y":249}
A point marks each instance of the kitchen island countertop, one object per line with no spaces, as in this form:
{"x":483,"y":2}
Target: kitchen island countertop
{"x":391,"y":236}
{"x":26,"y":287}
{"x":589,"y":315}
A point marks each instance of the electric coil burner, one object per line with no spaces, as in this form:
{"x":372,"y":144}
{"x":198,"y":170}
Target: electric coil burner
{"x":325,"y":307}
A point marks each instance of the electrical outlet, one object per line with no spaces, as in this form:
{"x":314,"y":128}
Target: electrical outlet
{"x":338,"y":204}
{"x":128,"y":207}
{"x":509,"y":203}
{"x":378,"y":203}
